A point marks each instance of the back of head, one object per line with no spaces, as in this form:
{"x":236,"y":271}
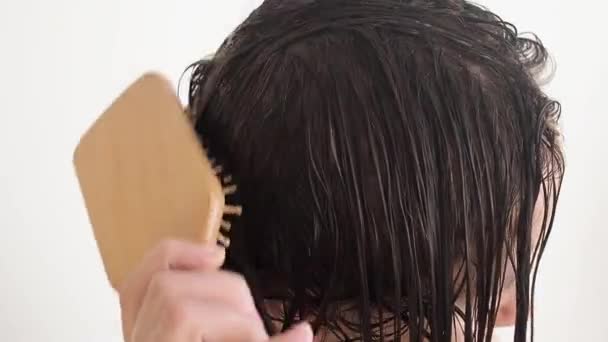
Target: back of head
{"x":389,"y":156}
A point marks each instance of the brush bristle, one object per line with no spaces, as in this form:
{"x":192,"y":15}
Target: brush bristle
{"x":233,"y":210}
{"x":223,"y":240}
{"x":226,"y":225}
{"x":230,"y":189}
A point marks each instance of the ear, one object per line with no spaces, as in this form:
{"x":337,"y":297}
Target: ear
{"x":507,"y":309}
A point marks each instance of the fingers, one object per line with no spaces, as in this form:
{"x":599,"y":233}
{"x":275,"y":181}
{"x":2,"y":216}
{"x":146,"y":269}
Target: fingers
{"x":223,"y":287}
{"x":182,"y":306}
{"x":186,"y":320}
{"x":170,"y":254}
{"x":174,"y":254}
{"x":214,"y":322}
{"x":299,"y":333}
{"x":178,"y":294}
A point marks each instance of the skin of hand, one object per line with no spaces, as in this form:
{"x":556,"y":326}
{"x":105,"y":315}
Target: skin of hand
{"x":179,"y":294}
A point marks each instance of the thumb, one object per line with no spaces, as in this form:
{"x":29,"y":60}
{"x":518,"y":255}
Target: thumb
{"x":299,"y":333}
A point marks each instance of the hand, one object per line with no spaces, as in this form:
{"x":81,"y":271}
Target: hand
{"x":179,"y":294}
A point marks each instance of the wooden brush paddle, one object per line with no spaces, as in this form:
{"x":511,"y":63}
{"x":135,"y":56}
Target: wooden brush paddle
{"x":145,"y":177}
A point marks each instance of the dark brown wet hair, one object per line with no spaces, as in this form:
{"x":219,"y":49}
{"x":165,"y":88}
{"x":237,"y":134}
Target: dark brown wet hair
{"x":389,"y":155}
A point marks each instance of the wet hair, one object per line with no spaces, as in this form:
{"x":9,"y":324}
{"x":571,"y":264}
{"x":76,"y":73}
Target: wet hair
{"x":389,"y":155}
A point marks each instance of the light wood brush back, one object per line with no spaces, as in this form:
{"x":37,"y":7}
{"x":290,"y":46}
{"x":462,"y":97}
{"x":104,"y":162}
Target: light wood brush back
{"x":145,"y":177}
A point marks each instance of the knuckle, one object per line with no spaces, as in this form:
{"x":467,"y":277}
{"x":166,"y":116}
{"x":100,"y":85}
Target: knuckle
{"x":161,"y":284}
{"x":241,"y":293}
{"x":239,"y":286}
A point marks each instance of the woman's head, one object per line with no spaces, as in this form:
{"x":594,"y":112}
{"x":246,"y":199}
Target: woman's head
{"x":390,"y":155}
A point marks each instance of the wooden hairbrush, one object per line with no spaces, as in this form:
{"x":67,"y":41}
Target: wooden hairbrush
{"x":145,"y":177}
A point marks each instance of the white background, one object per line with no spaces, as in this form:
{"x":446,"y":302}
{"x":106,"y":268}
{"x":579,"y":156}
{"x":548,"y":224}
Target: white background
{"x":63,"y":61}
